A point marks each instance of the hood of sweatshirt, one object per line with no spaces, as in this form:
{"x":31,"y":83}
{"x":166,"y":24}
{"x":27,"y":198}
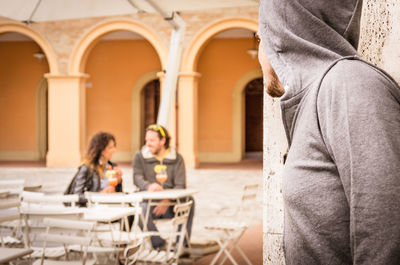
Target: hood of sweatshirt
{"x":302,"y":38}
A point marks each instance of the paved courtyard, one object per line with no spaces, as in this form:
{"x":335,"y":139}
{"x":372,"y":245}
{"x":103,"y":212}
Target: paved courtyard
{"x":220,"y":188}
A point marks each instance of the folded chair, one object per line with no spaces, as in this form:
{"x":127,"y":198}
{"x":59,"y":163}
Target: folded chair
{"x":177,"y":235}
{"x":65,"y":233}
{"x":227,"y":231}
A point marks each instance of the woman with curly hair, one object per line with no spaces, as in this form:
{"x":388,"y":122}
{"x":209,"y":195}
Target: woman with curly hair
{"x":91,"y":173}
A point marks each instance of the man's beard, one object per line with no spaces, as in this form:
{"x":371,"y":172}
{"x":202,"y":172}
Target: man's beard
{"x":157,"y":151}
{"x":274,"y":87}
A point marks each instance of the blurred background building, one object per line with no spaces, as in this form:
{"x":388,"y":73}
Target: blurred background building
{"x":61,"y":81}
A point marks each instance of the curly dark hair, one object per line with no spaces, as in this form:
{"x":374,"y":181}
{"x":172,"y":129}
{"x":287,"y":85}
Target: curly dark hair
{"x":97,"y":144}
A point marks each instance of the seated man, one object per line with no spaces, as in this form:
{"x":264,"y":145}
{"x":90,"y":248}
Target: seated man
{"x":158,"y":158}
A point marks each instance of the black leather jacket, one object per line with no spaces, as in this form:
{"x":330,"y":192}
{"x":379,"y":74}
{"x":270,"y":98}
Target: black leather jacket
{"x":87,"y":179}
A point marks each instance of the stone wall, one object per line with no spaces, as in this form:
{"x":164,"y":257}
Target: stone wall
{"x":380,"y":35}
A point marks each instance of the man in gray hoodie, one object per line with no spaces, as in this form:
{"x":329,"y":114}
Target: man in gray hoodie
{"x":341,"y":180}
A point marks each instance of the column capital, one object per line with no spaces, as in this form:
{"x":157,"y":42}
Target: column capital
{"x":161,"y":74}
{"x":189,"y":75}
{"x":72,"y":76}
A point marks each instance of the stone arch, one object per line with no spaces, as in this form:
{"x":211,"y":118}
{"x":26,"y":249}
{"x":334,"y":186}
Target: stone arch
{"x":38,"y":38}
{"x":201,"y":39}
{"x":188,"y":86}
{"x":82,"y":49}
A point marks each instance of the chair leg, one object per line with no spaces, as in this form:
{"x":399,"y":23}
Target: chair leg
{"x":235,"y":245}
{"x":221,"y":246}
{"x":230,"y":257}
{"x":223,"y":249}
{"x":244,"y":255}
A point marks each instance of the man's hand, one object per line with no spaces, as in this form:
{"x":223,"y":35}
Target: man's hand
{"x":108,"y":189}
{"x":155,"y":187}
{"x":161,"y":208}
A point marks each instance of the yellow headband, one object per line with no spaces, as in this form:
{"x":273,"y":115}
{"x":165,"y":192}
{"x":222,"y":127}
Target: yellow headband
{"x":157,"y":128}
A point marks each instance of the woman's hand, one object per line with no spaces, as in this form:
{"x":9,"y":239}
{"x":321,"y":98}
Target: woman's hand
{"x":118,"y":174}
{"x":108,"y":189}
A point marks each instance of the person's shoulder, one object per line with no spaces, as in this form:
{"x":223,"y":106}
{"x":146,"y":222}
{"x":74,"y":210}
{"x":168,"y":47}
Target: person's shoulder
{"x":84,"y":167}
{"x":137,"y":153}
{"x":359,"y":78}
{"x":350,"y":71}
{"x":137,"y":157}
{"x":179,"y":157}
{"x":84,"y":170}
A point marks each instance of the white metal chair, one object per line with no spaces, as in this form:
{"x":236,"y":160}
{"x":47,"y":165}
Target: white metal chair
{"x":113,"y":235}
{"x":12,"y":187}
{"x":117,"y":200}
{"x":35,"y":207}
{"x":65,"y":233}
{"x":172,"y":253}
{"x":9,"y":211}
{"x":227,"y":231}
{"x":10,"y":223}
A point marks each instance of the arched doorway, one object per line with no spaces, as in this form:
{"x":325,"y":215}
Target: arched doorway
{"x":222,"y":63}
{"x":254,"y":119}
{"x":151,"y":102}
{"x":114,"y":64}
{"x":23,"y":96}
{"x":189,"y":95}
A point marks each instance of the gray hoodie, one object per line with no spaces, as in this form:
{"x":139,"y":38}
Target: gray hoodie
{"x":341,"y":180}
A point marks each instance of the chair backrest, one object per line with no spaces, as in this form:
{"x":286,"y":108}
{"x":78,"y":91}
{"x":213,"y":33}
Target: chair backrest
{"x":68,"y":232}
{"x":40,"y":198}
{"x":179,"y":222}
{"x":116,"y":199}
{"x":15,"y":186}
{"x":9,"y":220}
{"x":248,"y":201}
{"x":35,"y":206}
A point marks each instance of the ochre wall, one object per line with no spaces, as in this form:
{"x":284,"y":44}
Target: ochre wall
{"x":221,"y":64}
{"x":114,"y":68}
{"x":20,"y":74}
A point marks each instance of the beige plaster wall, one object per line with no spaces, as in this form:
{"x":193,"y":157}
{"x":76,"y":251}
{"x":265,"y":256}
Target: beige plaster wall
{"x":221,"y":64}
{"x":20,"y":74}
{"x":114,"y":68}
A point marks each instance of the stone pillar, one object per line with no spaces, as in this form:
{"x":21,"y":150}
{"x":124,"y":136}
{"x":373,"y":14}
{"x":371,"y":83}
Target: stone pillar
{"x":380,"y":35}
{"x":187,"y":118}
{"x":275,"y":146}
{"x":66,"y":119}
